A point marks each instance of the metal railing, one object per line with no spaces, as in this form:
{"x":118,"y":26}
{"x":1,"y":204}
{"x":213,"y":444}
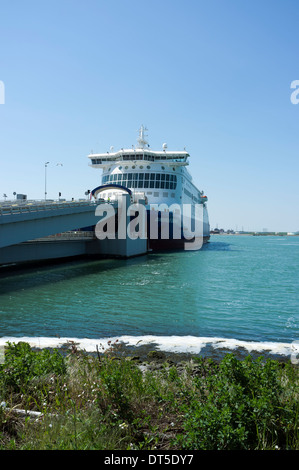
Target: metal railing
{"x":71,"y":235}
{"x":37,"y":206}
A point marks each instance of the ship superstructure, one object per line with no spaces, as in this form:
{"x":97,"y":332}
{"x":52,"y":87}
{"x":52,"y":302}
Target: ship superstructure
{"x":160,"y":177}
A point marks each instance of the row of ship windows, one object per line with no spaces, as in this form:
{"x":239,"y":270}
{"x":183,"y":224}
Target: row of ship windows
{"x":194,"y":198}
{"x":150,"y":158}
{"x":142,"y":180}
{"x":149,"y":193}
{"x":148,"y":167}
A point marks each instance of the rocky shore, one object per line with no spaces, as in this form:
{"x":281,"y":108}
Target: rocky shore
{"x":149,"y":358}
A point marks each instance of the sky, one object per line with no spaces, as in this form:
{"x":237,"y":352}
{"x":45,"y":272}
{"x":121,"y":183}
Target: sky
{"x":212,"y":76}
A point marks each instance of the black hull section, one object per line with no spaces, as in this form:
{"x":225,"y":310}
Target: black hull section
{"x":171,"y":243}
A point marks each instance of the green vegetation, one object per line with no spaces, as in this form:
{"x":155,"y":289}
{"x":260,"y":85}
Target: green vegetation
{"x":107,"y":402}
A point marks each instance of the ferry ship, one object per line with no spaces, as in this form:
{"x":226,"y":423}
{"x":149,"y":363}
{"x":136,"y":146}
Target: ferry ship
{"x":161,"y":179}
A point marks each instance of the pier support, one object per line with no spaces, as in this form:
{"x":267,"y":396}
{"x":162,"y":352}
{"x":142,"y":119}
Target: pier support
{"x":123,"y":242}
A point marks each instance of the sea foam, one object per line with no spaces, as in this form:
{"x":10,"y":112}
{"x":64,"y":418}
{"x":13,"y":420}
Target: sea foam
{"x":174,"y":344}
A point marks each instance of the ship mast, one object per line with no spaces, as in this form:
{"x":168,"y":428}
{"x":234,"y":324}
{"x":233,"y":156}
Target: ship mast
{"x":141,"y":139}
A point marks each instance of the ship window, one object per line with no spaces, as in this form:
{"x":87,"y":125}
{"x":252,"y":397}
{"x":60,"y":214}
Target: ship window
{"x":156,"y":194}
{"x":141,"y":166}
{"x":133,"y":167}
{"x":140,"y":184}
{"x":148,"y":167}
{"x":172,"y":194}
{"x":120,"y":167}
{"x":165,"y":194}
{"x":167,"y":177}
{"x":126,"y":167}
{"x":146,"y":184}
{"x":163,"y":167}
{"x":141,"y":176}
{"x":146,"y":176}
{"x":152,"y":176}
{"x":167,"y":185}
{"x":162,"y":177}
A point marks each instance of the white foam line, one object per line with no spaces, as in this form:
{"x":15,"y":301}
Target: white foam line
{"x":180,"y":344}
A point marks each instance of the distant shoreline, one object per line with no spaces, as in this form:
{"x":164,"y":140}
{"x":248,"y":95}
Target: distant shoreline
{"x":262,"y":234}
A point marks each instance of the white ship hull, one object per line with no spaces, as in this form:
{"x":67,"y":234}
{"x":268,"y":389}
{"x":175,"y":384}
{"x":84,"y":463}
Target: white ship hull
{"x":163,"y":181}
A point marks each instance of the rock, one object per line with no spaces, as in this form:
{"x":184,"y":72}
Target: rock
{"x":156,"y":355}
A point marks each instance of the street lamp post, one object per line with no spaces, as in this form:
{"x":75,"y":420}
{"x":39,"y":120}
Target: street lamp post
{"x":46,"y":165}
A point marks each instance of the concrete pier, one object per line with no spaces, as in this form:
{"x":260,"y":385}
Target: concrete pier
{"x":29,"y":221}
{"x":35,"y":232}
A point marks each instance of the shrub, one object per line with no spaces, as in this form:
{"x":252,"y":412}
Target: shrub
{"x":240,"y":407}
{"x":108,"y":403}
{"x":22,"y":365}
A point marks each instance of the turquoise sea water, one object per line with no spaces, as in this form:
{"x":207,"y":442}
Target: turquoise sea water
{"x":237,"y":290}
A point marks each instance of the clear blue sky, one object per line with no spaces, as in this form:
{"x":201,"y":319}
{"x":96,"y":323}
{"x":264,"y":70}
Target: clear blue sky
{"x":212,"y":76}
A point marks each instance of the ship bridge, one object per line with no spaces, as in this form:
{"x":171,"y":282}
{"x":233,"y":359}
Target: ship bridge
{"x":142,"y":152}
{"x":101,"y":160}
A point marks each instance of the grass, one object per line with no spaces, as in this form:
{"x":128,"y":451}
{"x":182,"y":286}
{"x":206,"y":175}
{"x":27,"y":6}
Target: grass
{"x":105,"y":402}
